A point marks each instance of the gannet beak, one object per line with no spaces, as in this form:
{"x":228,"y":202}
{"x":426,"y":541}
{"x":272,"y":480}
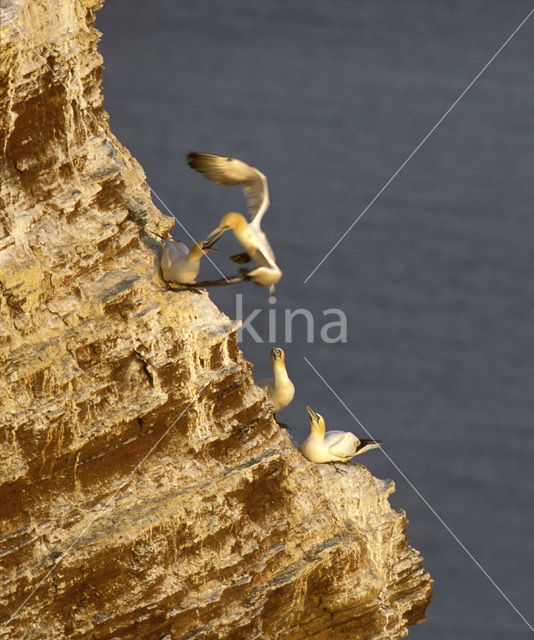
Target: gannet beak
{"x":216,"y":234}
{"x":312,"y":414}
{"x":206,"y":247}
{"x":276,"y":353}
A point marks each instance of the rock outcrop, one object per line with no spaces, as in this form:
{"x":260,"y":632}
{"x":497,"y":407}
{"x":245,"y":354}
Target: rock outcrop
{"x":145,"y":489}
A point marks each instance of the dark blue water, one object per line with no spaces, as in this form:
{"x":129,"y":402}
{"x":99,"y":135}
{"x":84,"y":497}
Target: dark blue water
{"x":328,"y":98}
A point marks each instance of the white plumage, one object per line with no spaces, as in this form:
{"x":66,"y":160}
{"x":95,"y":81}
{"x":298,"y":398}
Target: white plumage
{"x":279,"y":389}
{"x":180,"y":264}
{"x":332,"y":446}
{"x":232,"y":172}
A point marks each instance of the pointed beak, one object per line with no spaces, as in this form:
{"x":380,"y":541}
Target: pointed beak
{"x":311,"y":413}
{"x":206,"y":247}
{"x":215,"y":235}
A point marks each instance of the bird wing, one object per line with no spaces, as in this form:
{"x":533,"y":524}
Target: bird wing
{"x":173,"y":250}
{"x":263,"y":254}
{"x":341,"y":444}
{"x":180,"y":248}
{"x":166,"y":262}
{"x":231,"y":172}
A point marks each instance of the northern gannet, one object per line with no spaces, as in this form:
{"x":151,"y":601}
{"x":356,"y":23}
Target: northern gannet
{"x":332,"y":446}
{"x":179,"y":264}
{"x":231,"y":172}
{"x":279,"y":389}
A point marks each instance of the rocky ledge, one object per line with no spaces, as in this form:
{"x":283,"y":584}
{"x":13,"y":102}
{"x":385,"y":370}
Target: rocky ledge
{"x":146,"y":490}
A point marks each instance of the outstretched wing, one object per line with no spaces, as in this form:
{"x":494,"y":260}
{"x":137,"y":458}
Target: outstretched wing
{"x":232,"y":172}
{"x":262,"y":252}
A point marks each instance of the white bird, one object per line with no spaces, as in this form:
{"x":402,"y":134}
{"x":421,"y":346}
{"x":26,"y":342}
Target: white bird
{"x":279,"y":389}
{"x":332,"y":446}
{"x":231,"y":172}
{"x":180,"y":264}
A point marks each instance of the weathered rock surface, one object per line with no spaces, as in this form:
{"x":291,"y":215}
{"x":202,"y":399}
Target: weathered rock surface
{"x":145,"y":490}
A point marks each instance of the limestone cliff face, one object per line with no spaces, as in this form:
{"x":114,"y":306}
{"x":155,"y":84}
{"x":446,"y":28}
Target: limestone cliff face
{"x":145,"y":490}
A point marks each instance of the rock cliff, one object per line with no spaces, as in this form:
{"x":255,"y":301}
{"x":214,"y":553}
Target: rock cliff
{"x":145,"y":489}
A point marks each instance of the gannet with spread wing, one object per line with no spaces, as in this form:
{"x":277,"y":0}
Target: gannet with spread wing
{"x":332,"y":446}
{"x":232,"y":172}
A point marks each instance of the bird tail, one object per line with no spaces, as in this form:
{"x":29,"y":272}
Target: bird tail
{"x":157,"y":234}
{"x":366,"y":444}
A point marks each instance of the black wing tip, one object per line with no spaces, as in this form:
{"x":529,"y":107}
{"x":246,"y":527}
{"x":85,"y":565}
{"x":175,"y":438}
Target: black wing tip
{"x":195,"y":159}
{"x":192,"y":158}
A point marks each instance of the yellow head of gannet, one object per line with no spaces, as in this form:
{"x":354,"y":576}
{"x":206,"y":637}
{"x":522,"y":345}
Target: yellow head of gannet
{"x":266,"y":272}
{"x":279,"y":389}
{"x":198,"y":250}
{"x":332,"y":446}
{"x":234,"y":221}
{"x":317,"y":424}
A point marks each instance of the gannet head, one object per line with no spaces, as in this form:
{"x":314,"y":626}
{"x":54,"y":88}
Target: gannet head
{"x":316,"y":422}
{"x":277,"y":355}
{"x":232,"y":220}
{"x":198,"y":250}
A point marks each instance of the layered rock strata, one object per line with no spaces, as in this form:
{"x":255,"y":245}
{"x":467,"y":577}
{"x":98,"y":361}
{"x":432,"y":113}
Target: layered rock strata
{"x":145,"y":489}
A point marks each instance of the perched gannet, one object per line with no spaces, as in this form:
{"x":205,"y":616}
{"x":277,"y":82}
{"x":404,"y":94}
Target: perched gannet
{"x":231,"y":172}
{"x":180,"y":264}
{"x":279,"y":389}
{"x":332,"y":446}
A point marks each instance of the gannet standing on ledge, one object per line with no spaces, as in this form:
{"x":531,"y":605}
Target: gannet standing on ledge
{"x":179,"y":264}
{"x":279,"y":389}
{"x":332,"y":446}
{"x":231,"y":172}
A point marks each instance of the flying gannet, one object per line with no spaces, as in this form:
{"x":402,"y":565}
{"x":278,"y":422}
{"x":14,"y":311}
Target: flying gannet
{"x":332,"y":446}
{"x":231,"y":172}
{"x":279,"y":389}
{"x":179,"y":264}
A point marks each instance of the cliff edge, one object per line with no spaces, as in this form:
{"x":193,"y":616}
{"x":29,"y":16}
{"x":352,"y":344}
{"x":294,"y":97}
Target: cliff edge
{"x":145,"y":489}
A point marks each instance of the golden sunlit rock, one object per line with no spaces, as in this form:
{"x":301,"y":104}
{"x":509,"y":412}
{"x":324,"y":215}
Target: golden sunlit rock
{"x":145,"y":490}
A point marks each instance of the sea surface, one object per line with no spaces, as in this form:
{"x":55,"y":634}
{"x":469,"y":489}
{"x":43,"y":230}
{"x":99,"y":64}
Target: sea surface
{"x":329,"y":98}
